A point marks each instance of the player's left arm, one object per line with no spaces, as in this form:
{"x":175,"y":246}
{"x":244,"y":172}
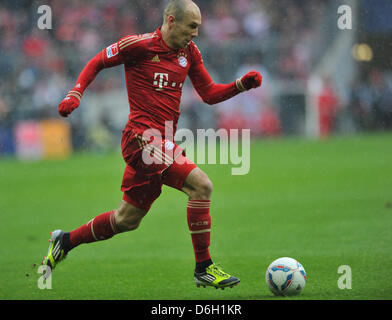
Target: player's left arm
{"x":106,"y":58}
{"x":211,"y":92}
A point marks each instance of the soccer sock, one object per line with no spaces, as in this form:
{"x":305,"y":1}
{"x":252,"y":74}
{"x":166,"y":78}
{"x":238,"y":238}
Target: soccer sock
{"x":102,"y":227}
{"x":201,"y":266}
{"x":199,"y":223}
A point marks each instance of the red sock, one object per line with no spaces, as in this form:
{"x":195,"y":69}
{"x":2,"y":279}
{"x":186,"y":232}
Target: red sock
{"x":199,"y":223}
{"x":102,"y":227}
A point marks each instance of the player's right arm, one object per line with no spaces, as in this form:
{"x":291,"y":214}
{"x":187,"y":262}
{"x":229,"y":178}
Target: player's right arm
{"x":124,"y":50}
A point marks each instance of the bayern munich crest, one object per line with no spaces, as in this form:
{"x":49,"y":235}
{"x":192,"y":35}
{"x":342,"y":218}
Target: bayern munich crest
{"x":182,"y":61}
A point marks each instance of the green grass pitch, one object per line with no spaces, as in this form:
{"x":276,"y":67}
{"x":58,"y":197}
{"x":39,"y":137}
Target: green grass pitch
{"x":325,"y":203}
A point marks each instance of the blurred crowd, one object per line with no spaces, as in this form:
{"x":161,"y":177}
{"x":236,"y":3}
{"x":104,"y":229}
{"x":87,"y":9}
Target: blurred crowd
{"x":279,"y":38}
{"x":371,"y":100}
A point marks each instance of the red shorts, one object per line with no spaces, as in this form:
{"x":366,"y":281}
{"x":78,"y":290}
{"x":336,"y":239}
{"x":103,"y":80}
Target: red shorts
{"x":150,"y":164}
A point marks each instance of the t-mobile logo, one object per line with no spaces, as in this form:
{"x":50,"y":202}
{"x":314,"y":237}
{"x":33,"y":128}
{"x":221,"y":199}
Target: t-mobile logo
{"x":162,"y":80}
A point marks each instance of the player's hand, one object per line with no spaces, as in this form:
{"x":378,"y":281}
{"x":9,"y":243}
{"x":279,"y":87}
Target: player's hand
{"x":69,"y":104}
{"x":252,"y":79}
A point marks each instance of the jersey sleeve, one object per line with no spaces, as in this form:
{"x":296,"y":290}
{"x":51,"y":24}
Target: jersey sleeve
{"x":197,"y":72}
{"x":133,"y":48}
{"x":208,"y":90}
{"x":196,"y":58}
{"x":111,"y":57}
{"x":127,"y":49}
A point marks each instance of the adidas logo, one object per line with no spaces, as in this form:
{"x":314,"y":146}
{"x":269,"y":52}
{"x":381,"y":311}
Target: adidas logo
{"x":155,"y":59}
{"x":208,"y":277}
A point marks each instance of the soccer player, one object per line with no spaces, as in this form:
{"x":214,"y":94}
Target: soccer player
{"x":156,"y":65}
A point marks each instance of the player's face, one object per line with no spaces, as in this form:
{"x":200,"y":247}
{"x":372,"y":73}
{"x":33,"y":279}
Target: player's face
{"x":184,"y":31}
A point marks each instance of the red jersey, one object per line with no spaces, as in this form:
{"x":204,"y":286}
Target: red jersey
{"x":154,"y":76}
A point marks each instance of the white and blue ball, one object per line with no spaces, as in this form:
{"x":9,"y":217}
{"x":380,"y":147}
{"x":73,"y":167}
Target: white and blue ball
{"x":285,"y":277}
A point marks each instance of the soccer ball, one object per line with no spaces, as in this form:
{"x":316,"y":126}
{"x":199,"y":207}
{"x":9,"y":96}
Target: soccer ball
{"x":285,"y":277}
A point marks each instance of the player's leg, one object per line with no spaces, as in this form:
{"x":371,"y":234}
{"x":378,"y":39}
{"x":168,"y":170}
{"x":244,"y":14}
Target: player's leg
{"x":184,"y":175}
{"x":198,"y":187}
{"x":141,"y":185}
{"x":126,"y":217}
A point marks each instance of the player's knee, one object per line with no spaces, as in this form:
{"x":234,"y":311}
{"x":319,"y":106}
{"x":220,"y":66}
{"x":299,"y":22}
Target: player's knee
{"x":128,"y":218}
{"x":202,"y":190}
{"x":128,"y":222}
{"x":198,"y":185}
